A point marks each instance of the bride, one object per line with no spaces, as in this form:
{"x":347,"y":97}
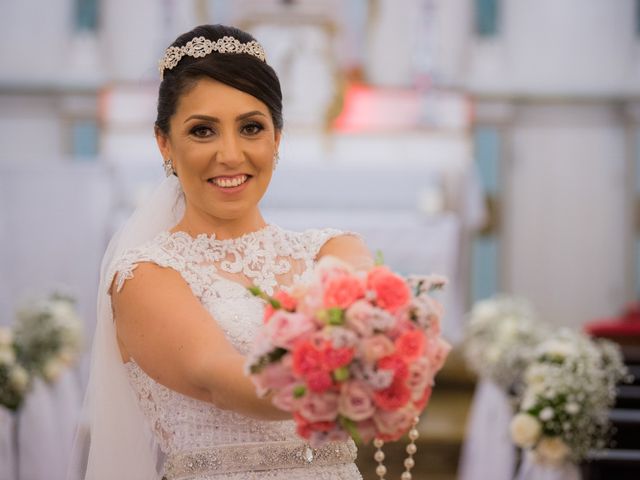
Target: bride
{"x":168,"y":396}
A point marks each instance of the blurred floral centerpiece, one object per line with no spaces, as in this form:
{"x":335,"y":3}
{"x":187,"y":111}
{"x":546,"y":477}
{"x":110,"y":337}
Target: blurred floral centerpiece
{"x":569,"y":388}
{"x":500,"y":340}
{"x":46,"y":339}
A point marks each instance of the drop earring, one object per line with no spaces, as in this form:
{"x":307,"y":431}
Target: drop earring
{"x":276,"y":158}
{"x":168,"y":167}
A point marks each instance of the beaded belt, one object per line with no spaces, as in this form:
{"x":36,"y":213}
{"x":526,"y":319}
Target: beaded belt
{"x":247,"y":457}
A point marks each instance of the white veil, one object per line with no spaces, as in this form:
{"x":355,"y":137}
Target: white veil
{"x":114,"y":440}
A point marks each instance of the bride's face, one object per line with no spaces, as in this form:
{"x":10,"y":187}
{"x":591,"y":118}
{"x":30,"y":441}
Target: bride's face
{"x":222,"y":143}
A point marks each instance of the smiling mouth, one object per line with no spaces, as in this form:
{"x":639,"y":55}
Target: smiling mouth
{"x":229,"y":182}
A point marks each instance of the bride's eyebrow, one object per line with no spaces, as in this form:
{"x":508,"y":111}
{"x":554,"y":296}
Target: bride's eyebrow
{"x":217,"y":120}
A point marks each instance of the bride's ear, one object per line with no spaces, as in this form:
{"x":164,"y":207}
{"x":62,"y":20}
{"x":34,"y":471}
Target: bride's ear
{"x":164,"y":145}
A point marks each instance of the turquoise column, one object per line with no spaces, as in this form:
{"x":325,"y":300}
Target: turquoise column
{"x":485,"y":249}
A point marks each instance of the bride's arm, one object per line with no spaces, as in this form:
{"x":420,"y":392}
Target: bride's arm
{"x":163,"y":326}
{"x":350,"y":249}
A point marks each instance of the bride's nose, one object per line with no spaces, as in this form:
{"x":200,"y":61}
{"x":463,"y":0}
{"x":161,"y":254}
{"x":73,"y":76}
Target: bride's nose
{"x":230,"y":152}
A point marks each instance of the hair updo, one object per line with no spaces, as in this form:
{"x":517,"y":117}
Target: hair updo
{"x":238,"y":70}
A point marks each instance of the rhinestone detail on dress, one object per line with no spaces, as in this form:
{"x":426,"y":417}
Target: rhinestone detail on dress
{"x":252,"y":457}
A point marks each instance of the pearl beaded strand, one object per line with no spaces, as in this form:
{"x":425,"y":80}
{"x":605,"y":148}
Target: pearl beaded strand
{"x":411,"y":450}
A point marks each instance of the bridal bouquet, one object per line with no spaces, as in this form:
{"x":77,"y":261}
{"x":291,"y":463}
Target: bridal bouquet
{"x":350,"y":354}
{"x":500,"y":340}
{"x":569,"y":389}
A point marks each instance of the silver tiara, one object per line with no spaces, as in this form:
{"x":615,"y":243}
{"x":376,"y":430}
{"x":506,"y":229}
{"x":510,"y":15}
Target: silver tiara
{"x":200,"y":46}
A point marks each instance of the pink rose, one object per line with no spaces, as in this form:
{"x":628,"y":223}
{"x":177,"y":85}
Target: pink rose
{"x":392,"y":425}
{"x":391,"y":291}
{"x":319,"y":438}
{"x":355,"y":401}
{"x":285,"y":399}
{"x":366,"y":430}
{"x":358,"y":317}
{"x":274,"y":376}
{"x":376,"y":347}
{"x":420,"y":377}
{"x":437,"y":350}
{"x":319,"y":407}
{"x":286,"y":328}
{"x":342,"y":290}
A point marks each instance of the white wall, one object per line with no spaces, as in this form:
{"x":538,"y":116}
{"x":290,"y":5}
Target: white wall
{"x":566,"y":211}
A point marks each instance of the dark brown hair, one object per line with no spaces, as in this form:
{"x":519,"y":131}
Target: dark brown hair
{"x":238,"y":70}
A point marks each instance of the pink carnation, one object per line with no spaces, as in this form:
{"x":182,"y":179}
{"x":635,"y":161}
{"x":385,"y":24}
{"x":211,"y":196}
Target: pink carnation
{"x":287,"y":302}
{"x":391,"y":291}
{"x":342,"y":290}
{"x":356,"y":401}
{"x":393,"y":397}
{"x":410,"y":345}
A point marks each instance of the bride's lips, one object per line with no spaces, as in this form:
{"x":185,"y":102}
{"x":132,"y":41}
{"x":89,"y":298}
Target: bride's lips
{"x":230,"y":183}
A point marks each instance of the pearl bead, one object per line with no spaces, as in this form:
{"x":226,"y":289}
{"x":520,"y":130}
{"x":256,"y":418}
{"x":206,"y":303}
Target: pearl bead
{"x":379,"y":456}
{"x":405,"y":476}
{"x":413,"y":434}
{"x":409,"y":462}
{"x":381,"y":470}
{"x":378,"y":443}
{"x":411,"y":448}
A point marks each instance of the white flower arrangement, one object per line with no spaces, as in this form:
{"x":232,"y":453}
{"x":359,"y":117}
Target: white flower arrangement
{"x":46,"y":339}
{"x":568,"y":389}
{"x":14,"y":379}
{"x":500,"y":338}
{"x":48,"y":335}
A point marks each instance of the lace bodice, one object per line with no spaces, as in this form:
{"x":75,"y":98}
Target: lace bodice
{"x":217,"y":272}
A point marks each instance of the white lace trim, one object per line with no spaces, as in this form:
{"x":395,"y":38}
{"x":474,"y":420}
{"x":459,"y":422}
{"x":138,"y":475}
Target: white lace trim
{"x":260,"y":256}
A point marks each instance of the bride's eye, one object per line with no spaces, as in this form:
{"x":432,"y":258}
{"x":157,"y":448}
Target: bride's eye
{"x":201,"y":131}
{"x":252,"y":128}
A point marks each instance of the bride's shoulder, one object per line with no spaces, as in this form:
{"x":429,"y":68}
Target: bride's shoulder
{"x":318,"y":242}
{"x":163,"y":250}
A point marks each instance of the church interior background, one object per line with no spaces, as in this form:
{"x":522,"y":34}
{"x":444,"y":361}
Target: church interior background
{"x":496,"y":142}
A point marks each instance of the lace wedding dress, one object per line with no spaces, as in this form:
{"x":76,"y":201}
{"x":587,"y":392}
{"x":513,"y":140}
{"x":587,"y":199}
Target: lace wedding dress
{"x":200,"y":441}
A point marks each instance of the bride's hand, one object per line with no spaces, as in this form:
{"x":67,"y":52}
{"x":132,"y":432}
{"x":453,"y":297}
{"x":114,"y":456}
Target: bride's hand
{"x":172,"y":337}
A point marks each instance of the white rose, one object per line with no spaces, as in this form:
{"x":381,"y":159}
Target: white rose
{"x":62,"y":311}
{"x":485,"y":309}
{"x":508,"y":330}
{"x":525,"y":430}
{"x":551,"y":450}
{"x":572,"y":408}
{"x":19,"y":378}
{"x":7,"y":356}
{"x":52,"y":370}
{"x":546,"y":414}
{"x":558,"y":349}
{"x":6,"y":337}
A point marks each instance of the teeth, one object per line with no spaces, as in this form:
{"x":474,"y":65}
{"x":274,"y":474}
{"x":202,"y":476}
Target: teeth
{"x":230,"y":182}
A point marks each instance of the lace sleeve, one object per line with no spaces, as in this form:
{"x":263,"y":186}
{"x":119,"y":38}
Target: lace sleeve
{"x":123,"y":268}
{"x":316,"y":238}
